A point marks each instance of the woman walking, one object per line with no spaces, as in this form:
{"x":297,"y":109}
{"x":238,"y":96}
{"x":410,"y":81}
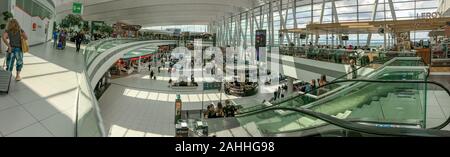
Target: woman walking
{"x":15,"y":35}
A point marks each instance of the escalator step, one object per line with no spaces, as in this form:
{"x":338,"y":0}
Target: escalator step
{"x":224,"y":133}
{"x":239,"y":132}
{"x":318,"y":122}
{"x":347,"y":113}
{"x":291,"y":126}
{"x":253,"y":130}
{"x":305,"y":121}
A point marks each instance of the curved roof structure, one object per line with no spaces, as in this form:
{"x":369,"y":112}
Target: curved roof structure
{"x":157,"y":12}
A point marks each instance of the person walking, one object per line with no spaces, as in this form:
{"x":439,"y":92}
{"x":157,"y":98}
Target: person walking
{"x":78,"y":40}
{"x":279,"y":92}
{"x":62,"y":38}
{"x":55,"y":38}
{"x":152,"y":74}
{"x":14,"y":34}
{"x":353,"y":72}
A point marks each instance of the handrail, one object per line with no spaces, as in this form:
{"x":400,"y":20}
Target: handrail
{"x":87,"y":97}
{"x":364,"y":128}
{"x":439,"y":127}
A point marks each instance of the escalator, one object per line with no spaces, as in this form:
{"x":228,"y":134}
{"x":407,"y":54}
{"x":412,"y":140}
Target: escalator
{"x":298,"y":100}
{"x":400,"y":117}
{"x":394,"y":96}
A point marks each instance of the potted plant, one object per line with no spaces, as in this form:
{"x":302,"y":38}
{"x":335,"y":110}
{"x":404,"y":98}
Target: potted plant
{"x":6,"y":16}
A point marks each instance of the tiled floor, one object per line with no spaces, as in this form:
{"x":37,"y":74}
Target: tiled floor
{"x":43,"y":103}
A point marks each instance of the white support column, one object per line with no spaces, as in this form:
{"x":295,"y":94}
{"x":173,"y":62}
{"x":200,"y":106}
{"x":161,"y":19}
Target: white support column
{"x":391,"y":7}
{"x":227,"y":29}
{"x":334,"y":10}
{"x":285,"y":22}
{"x":252,"y":29}
{"x":312,"y":21}
{"x":261,"y":18}
{"x":236,"y":32}
{"x":336,"y":19}
{"x":271,"y":24}
{"x":280,"y":14}
{"x":246,"y":30}
{"x":322,"y":12}
{"x":290,"y":85}
{"x":239,"y":30}
{"x":296,"y":37}
{"x":357,"y":19}
{"x":374,"y":15}
{"x":255,"y":21}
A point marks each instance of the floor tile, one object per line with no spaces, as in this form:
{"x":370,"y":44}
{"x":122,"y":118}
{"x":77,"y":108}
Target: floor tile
{"x":35,"y":130}
{"x":41,"y":109}
{"x":14,"y":119}
{"x":61,"y":124}
{"x":6,"y":101}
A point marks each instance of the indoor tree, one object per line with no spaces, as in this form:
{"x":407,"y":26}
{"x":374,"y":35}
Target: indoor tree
{"x":71,"y":21}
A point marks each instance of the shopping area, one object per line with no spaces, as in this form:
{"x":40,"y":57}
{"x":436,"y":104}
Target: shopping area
{"x":283,"y":68}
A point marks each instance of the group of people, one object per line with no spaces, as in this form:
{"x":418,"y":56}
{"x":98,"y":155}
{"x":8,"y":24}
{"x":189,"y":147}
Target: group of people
{"x":279,"y":93}
{"x":312,"y":86}
{"x":60,"y":39}
{"x":220,"y":111}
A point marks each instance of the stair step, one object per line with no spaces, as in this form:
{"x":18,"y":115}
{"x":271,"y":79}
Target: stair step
{"x":253,"y":130}
{"x":318,"y":122}
{"x":346,"y":114}
{"x":239,"y":132}
{"x":224,"y":133}
{"x":291,"y":126}
{"x":305,"y":121}
{"x":339,"y":115}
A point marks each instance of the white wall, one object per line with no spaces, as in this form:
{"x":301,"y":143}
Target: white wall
{"x":39,"y":35}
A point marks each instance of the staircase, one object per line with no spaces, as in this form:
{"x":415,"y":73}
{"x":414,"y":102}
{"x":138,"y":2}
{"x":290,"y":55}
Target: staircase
{"x":402,"y":106}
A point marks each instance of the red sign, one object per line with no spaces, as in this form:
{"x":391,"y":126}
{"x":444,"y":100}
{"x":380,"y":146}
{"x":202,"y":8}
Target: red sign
{"x":34,"y":26}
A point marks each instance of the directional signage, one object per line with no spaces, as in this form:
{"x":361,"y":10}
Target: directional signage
{"x":77,"y":8}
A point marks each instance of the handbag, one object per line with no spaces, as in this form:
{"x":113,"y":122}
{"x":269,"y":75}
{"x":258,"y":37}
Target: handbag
{"x":25,"y":47}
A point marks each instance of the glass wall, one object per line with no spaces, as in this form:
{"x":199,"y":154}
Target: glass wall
{"x":184,"y":28}
{"x":34,"y":8}
{"x":300,"y":13}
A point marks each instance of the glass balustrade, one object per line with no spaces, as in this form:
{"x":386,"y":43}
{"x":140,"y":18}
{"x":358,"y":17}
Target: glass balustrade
{"x":342,"y":56}
{"x":88,"y":121}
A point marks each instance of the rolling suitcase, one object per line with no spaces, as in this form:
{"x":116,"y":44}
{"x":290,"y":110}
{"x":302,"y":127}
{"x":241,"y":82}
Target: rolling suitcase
{"x":5,"y":79}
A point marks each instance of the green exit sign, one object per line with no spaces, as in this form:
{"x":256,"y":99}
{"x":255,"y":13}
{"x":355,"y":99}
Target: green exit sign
{"x":77,"y":8}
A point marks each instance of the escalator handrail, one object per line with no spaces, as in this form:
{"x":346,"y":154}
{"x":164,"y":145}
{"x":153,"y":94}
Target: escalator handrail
{"x":364,"y":128}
